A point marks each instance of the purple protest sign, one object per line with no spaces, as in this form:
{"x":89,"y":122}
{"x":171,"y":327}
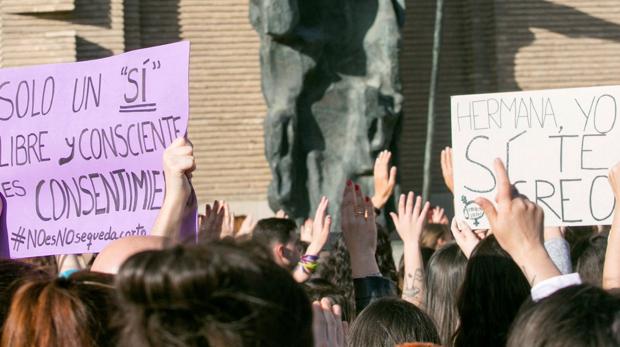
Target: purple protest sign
{"x":81,"y":148}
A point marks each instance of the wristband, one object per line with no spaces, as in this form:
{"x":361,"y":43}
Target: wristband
{"x":309,"y":263}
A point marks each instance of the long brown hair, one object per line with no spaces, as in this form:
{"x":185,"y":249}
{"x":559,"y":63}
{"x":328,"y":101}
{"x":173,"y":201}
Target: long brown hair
{"x":444,"y":276}
{"x":58,"y":313}
{"x":217,"y":294}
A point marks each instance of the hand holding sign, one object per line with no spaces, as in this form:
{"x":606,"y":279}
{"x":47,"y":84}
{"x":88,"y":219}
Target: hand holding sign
{"x":518,"y":224}
{"x":611,"y":270}
{"x":179,"y":164}
{"x":464,"y":237}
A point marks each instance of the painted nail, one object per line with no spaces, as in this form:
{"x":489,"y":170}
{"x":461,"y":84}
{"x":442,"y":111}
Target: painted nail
{"x":357,"y":188}
{"x":349,"y":182}
{"x":367,"y":199}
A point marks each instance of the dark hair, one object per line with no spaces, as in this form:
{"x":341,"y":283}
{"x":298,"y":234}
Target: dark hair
{"x":575,"y":235}
{"x":592,"y":259}
{"x":491,"y":295}
{"x":60,"y":312}
{"x":582,"y":315}
{"x":391,"y":321}
{"x":318,"y":288}
{"x":384,"y":256}
{"x":444,"y":276}
{"x":46,"y":263}
{"x":336,"y":268}
{"x":12,"y":274}
{"x":271,"y":230}
{"x":220,"y":294}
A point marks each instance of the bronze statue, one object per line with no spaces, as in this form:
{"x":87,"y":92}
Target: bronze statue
{"x":330,"y":78}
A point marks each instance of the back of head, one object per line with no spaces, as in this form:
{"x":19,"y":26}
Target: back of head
{"x":432,"y":234}
{"x":491,"y":295}
{"x":592,"y":258}
{"x":581,"y":315}
{"x":391,"y":321}
{"x":270,"y":230}
{"x":444,"y":276}
{"x":219,"y":294}
{"x":575,"y":236}
{"x":59,"y":313}
{"x":13,"y":272}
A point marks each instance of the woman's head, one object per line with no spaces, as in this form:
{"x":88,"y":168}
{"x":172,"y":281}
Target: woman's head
{"x":491,"y":295}
{"x":444,"y":276}
{"x":435,"y":235}
{"x":59,"y":313}
{"x":591,"y":259}
{"x":12,"y":273}
{"x":220,"y":294}
{"x":581,"y":315}
{"x":391,"y":321}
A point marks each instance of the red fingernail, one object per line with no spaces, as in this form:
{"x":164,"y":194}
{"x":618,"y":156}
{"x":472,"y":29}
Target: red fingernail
{"x":367,"y":199}
{"x":357,"y":188}
{"x":349,"y":182}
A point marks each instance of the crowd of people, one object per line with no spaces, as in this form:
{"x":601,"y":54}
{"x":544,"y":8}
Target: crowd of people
{"x":271,"y":282}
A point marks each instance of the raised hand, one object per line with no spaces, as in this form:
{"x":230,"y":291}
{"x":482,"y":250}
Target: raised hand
{"x":518,"y":224}
{"x":178,"y":163}
{"x":247,"y":227}
{"x":446,"y":168}
{"x":327,"y":326}
{"x":306,"y":231}
{"x":359,"y":231}
{"x":409,"y":223}
{"x":210,"y":225}
{"x":438,"y":216}
{"x":228,"y":223}
{"x":320,"y":228}
{"x":178,"y":160}
{"x":411,"y":217}
{"x":464,"y":237}
{"x":320,"y":233}
{"x":385,"y":179}
{"x":611,"y":269}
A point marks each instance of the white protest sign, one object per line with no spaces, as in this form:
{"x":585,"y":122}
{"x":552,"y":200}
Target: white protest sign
{"x":558,"y":146}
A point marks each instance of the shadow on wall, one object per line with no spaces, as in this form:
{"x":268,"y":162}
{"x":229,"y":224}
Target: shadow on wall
{"x":481,"y":40}
{"x":560,"y":19}
{"x":158,"y":22}
{"x":146,"y":23}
